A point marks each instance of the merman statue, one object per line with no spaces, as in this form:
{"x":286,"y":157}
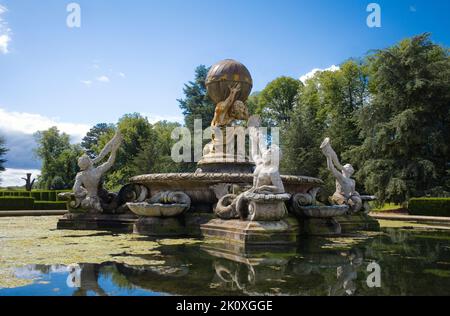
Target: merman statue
{"x":88,"y":180}
{"x":266,"y":177}
{"x":264,"y":201}
{"x":345,"y":186}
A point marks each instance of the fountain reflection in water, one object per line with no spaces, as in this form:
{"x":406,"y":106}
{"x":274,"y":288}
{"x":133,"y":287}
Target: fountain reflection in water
{"x":320,"y":266}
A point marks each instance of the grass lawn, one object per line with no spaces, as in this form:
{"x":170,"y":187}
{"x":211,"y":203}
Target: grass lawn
{"x":387,"y":207}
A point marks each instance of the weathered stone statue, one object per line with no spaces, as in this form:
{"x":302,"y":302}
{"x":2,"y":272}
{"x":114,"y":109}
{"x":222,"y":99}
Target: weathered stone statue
{"x":265,"y":199}
{"x":267,"y":179}
{"x":229,"y":85}
{"x":345,"y":186}
{"x":88,"y":181}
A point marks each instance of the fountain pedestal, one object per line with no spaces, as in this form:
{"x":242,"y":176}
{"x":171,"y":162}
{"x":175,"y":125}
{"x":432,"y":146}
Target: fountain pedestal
{"x":93,"y":221}
{"x":253,"y":233}
{"x":186,"y":225}
{"x":357,"y":222}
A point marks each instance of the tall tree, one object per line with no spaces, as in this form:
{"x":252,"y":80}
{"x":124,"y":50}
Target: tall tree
{"x":196,"y":104}
{"x":277,"y":100}
{"x":155,"y":157}
{"x":58,"y":156}
{"x":344,"y":92}
{"x":406,"y":126}
{"x":326,"y":107}
{"x":92,"y":137}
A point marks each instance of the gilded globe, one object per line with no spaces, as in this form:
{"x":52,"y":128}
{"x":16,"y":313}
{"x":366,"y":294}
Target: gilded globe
{"x":226,"y":74}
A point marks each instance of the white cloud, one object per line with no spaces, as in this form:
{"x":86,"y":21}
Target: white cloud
{"x":121,"y":74}
{"x":13,"y":177}
{"x":29,"y":123}
{"x":86,"y":82}
{"x":311,"y":74}
{"x":4,"y":43}
{"x":104,"y":79}
{"x":5,"y":32}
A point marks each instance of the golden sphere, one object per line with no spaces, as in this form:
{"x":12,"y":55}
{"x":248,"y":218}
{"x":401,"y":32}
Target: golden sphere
{"x":226,"y":74}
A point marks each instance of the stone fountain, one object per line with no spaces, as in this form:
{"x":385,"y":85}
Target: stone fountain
{"x":232,"y":196}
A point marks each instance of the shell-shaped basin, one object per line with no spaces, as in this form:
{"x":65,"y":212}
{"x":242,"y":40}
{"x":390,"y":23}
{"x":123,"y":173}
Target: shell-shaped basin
{"x":157,"y":209}
{"x":317,"y":211}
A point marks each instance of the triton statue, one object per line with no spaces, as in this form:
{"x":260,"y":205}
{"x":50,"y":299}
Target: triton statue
{"x":88,"y":184}
{"x":345,"y":185}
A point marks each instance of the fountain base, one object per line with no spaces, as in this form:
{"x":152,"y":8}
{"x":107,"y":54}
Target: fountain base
{"x":358,"y":222}
{"x":91,"y":221}
{"x":283,"y":232}
{"x":187,"y":225}
{"x":339,"y":225}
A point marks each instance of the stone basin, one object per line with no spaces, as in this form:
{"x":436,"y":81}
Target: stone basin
{"x":157,"y":209}
{"x":317,"y":211}
{"x":199,"y":186}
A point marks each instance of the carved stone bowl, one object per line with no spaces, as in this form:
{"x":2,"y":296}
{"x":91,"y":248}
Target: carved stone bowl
{"x":199,"y":186}
{"x":323,"y":211}
{"x":157,"y":209}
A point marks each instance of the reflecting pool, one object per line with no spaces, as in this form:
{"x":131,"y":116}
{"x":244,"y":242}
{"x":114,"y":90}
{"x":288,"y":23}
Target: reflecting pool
{"x":400,"y":260}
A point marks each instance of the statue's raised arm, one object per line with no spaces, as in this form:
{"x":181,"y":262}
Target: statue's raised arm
{"x":111,"y":147}
{"x":113,"y":143}
{"x":328,"y":151}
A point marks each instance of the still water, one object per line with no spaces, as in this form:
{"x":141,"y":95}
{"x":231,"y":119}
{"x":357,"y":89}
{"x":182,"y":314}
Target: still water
{"x":410,"y":262}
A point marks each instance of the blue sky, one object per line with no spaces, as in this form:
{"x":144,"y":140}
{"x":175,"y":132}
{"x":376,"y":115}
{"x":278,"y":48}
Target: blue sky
{"x":135,"y":55}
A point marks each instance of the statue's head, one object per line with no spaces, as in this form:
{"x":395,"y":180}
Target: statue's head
{"x":84,"y":162}
{"x":272,"y":156}
{"x":348,"y":170}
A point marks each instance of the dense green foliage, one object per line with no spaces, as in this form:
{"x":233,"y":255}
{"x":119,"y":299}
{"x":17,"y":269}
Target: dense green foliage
{"x":406,"y":126}
{"x":59,"y":159}
{"x":92,"y":137}
{"x":276,"y":101}
{"x":155,"y":157}
{"x":429,"y":206}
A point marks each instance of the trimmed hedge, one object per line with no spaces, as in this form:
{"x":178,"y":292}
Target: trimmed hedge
{"x":16,"y":203}
{"x":49,"y":206}
{"x":38,"y":195}
{"x":429,"y":206}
